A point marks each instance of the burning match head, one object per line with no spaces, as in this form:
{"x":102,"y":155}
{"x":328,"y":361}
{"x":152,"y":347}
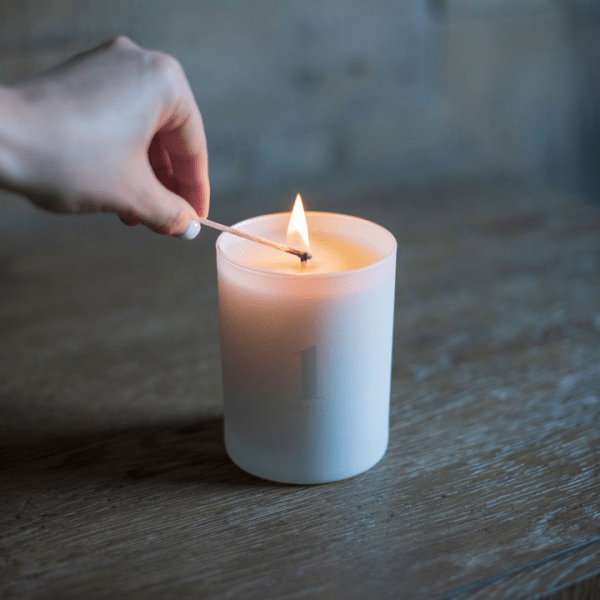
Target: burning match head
{"x":303,"y":256}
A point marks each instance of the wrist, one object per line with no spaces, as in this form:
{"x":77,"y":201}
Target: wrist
{"x":12,"y":134}
{"x":29,"y":141}
{"x":25,"y":151}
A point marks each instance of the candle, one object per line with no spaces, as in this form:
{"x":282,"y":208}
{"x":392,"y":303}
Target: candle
{"x":306,"y":347}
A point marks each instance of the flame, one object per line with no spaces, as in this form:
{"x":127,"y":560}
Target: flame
{"x":297,"y":229}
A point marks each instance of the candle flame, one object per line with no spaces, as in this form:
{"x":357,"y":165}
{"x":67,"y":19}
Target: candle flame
{"x":297,"y":229}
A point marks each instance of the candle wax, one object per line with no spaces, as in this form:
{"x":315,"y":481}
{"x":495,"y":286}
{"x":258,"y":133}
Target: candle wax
{"x":330,"y":254}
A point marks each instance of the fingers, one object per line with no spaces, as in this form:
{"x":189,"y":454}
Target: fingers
{"x":168,"y":204}
{"x":189,"y":165}
{"x":158,"y":208}
{"x":184,"y":141}
{"x":193,"y":229}
{"x":177,"y":151}
{"x":161,"y":164}
{"x":128,"y":219}
{"x":159,"y":158}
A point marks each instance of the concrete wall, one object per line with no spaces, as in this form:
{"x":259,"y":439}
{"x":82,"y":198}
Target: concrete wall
{"x":297,"y":91}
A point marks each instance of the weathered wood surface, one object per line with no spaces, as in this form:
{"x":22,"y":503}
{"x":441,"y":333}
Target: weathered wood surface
{"x":114,"y":481}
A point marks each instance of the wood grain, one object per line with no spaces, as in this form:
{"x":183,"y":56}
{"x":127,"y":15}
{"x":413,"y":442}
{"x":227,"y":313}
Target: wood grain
{"x":114,"y":478}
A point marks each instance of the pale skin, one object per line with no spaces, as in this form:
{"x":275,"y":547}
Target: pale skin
{"x":115,"y":129}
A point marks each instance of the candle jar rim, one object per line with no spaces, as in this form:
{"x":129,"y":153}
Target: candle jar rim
{"x":391,"y":252}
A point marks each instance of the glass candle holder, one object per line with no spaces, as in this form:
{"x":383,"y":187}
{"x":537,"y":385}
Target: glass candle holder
{"x":307,"y":348}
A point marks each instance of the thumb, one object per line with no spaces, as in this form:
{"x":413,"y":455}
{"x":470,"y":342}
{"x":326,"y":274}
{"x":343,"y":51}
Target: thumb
{"x":160,"y":210}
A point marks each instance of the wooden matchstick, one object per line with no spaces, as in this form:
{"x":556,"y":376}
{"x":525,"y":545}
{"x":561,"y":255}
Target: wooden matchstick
{"x":303,"y":256}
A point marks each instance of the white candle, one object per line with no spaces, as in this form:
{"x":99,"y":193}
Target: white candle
{"x":306,"y":348}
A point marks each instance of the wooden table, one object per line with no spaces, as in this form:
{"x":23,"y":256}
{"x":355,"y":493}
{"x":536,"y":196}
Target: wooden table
{"x":114,"y":480}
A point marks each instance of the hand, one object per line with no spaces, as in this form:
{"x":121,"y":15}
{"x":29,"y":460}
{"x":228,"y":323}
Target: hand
{"x":114,"y":129}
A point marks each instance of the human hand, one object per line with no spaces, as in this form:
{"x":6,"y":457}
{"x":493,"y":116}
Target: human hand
{"x":115,"y":129}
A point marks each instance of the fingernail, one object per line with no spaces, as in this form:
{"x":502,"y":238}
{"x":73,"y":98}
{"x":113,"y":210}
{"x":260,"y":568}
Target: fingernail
{"x":193,"y":229}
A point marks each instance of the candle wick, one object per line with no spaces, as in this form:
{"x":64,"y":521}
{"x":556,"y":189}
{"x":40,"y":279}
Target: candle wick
{"x":303,"y":256}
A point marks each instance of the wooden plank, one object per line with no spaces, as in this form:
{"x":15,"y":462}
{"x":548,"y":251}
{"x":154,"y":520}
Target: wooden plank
{"x":114,"y":477}
{"x":587,"y":589}
{"x":543,"y":579}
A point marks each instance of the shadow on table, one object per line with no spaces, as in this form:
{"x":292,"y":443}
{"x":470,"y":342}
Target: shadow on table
{"x":189,"y":453}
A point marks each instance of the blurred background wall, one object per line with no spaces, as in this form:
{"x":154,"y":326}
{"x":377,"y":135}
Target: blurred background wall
{"x":409,"y":91}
